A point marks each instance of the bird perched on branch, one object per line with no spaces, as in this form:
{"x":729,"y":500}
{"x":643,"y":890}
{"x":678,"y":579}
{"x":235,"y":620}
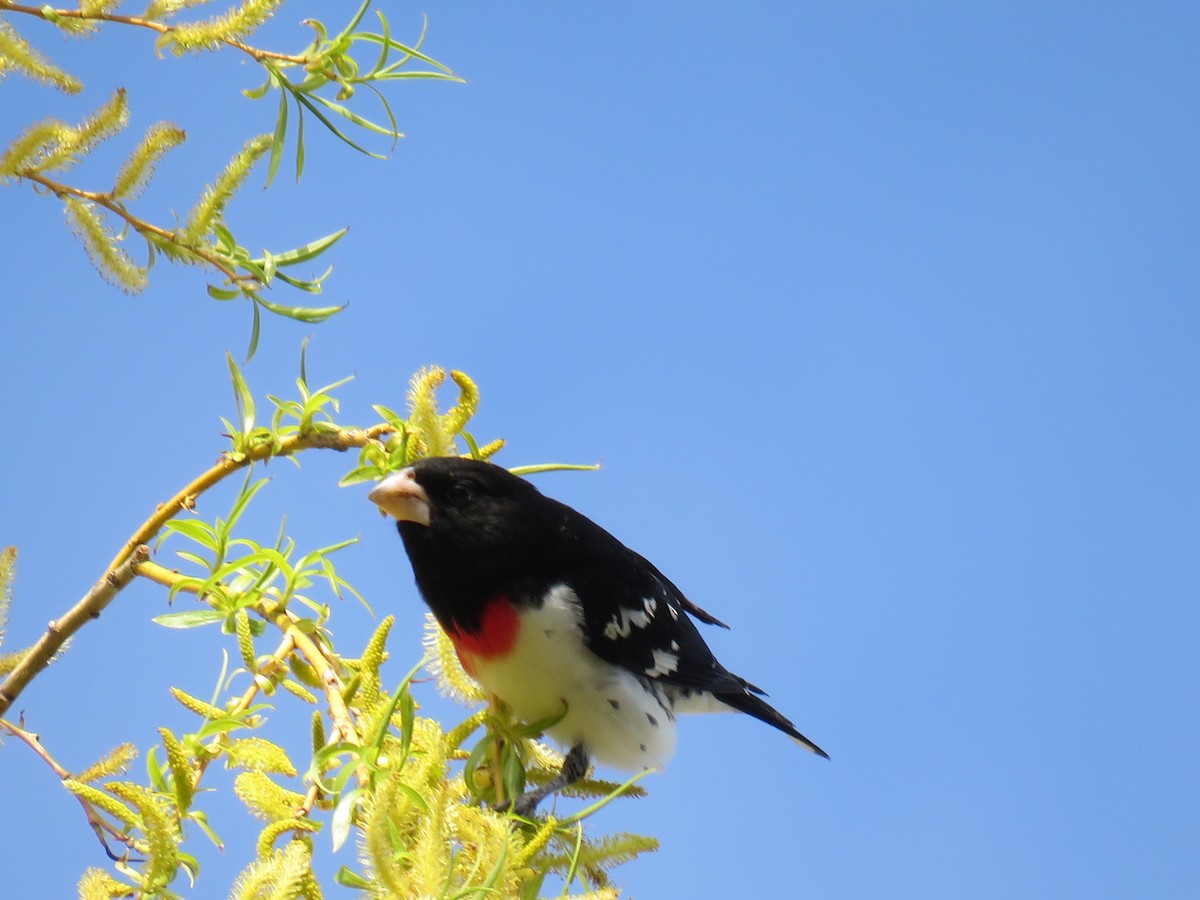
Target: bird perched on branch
{"x":556,"y":617}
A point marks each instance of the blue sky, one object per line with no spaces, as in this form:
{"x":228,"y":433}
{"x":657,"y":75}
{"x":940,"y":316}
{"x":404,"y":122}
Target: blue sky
{"x":881,"y":319}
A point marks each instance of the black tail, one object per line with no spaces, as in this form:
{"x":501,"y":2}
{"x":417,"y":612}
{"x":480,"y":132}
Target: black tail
{"x":751,"y":705}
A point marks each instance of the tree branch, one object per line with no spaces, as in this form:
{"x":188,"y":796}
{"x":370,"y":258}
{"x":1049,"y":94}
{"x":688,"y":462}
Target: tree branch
{"x":97,"y":822}
{"x":287,"y":623}
{"x":134,"y":553}
{"x":48,"y":14}
{"x":141,"y":226}
{"x":57,"y":632}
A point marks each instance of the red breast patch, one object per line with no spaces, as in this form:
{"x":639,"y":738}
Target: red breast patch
{"x":498,"y":628}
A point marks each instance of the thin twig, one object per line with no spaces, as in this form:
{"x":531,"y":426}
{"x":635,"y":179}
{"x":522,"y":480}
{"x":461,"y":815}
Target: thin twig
{"x":137,"y":224}
{"x":50,"y":15}
{"x":287,"y":622}
{"x":93,"y":603}
{"x":97,"y":822}
{"x":342,"y":439}
{"x":134,"y":552}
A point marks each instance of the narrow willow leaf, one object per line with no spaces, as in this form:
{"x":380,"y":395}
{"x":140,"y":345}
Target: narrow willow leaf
{"x":348,"y":30}
{"x":343,"y":818}
{"x":409,"y":52}
{"x":311,"y":107}
{"x":311,"y":286}
{"x":261,"y":91}
{"x":255,"y":328}
{"x":311,"y":314}
{"x":223,"y":293}
{"x":393,"y":126}
{"x":310,"y":250}
{"x":194,"y":530}
{"x":299,"y":144}
{"x":198,"y":816}
{"x":553,"y":467}
{"x":242,"y":397}
{"x":277,"y":137}
{"x":190,"y":619}
{"x":354,"y":117}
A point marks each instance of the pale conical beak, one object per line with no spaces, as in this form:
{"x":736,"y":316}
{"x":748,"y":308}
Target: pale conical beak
{"x":401,"y":497}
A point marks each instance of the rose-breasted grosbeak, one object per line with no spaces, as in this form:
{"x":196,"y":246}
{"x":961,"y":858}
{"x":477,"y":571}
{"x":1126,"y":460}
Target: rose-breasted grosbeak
{"x":548,"y":611}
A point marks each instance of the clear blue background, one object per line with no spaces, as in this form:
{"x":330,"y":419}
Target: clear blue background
{"x":882,"y":319}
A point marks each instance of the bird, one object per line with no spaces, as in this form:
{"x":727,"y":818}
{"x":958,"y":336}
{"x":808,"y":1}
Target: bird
{"x":557,"y":618}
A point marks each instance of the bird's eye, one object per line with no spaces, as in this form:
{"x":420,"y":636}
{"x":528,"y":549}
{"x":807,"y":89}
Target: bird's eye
{"x":459,"y":493}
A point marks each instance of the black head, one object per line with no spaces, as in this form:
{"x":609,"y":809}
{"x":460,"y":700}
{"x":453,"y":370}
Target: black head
{"x":472,"y":528}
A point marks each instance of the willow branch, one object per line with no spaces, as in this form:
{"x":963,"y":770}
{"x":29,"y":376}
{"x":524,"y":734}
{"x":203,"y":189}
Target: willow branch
{"x":134,"y":553}
{"x":97,"y":822}
{"x":48,"y":14}
{"x":343,"y":439}
{"x":137,"y":224}
{"x":57,"y":632}
{"x":316,"y":655}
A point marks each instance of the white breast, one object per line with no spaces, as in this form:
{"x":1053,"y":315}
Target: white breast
{"x":623,"y":721}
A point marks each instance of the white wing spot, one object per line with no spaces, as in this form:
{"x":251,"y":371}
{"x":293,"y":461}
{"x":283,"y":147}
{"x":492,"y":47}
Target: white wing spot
{"x":625,"y":621}
{"x":673,"y":611}
{"x":650,"y":605}
{"x":675,"y":646}
{"x":664,"y":664}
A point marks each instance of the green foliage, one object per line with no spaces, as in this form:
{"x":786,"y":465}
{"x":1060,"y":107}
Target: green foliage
{"x":417,"y":800}
{"x":329,"y":61}
{"x":103,"y":219}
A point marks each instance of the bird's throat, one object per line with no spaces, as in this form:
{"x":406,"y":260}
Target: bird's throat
{"x":496,"y":635}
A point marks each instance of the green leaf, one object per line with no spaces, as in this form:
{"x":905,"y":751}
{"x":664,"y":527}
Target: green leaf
{"x":194,"y":530}
{"x":351,"y":879}
{"x":193,"y":618}
{"x":259,"y":92}
{"x":223,"y":293}
{"x":354,"y":117}
{"x":311,"y":314}
{"x":309,"y":250}
{"x":343,"y":818}
{"x":200,"y":818}
{"x":241,"y":393}
{"x":311,"y":107}
{"x":408,"y":51}
{"x":244,"y":497}
{"x":277,"y":138}
{"x":348,"y":31}
{"x":255,"y":327}
{"x":552,"y":467}
{"x":299,"y":145}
